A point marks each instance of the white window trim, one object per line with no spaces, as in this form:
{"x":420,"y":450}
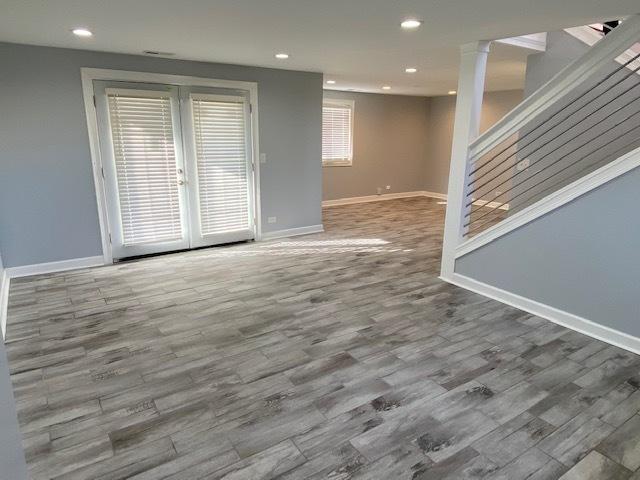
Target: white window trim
{"x":341,"y":103}
{"x":88,"y":75}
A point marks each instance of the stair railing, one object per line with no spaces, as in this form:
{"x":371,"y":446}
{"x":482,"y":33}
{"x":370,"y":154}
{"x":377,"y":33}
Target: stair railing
{"x":585,"y":117}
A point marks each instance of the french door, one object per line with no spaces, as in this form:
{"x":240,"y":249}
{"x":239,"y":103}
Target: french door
{"x":177,"y":166}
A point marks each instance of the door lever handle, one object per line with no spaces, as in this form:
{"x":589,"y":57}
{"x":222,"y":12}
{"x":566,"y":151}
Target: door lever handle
{"x":181,"y":182}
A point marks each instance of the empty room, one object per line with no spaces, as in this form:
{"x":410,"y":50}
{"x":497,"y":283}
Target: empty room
{"x":278,"y":239}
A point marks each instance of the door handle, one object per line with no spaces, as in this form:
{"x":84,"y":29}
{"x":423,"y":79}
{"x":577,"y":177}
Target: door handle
{"x":181,"y":182}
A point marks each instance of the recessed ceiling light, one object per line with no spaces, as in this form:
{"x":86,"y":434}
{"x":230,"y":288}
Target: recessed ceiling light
{"x":411,"y":70}
{"x":452,"y":92}
{"x":82,"y":32}
{"x":331,"y":82}
{"x":411,"y":23}
{"x":282,"y":56}
{"x":386,"y":87}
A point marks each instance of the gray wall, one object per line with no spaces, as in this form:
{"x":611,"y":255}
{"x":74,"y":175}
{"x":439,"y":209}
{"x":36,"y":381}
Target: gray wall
{"x":47,"y":198}
{"x":390,"y":146}
{"x":582,"y":258}
{"x":562,"y":49}
{"x":12,"y":462}
{"x":495,"y":105}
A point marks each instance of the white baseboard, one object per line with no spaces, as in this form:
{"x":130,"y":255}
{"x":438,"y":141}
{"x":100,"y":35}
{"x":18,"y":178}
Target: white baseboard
{"x":4,"y":300}
{"x":392,"y":196}
{"x":51,"y":267}
{"x":384,"y":196}
{"x":292,"y":232}
{"x":494,"y":204}
{"x":560,"y":317}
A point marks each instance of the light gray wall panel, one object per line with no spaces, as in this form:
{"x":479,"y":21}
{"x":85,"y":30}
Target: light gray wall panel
{"x":562,"y":49}
{"x":582,"y":258}
{"x":47,"y":198}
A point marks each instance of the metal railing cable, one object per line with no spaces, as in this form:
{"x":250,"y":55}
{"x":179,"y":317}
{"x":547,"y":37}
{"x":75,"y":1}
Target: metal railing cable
{"x":496,"y":209}
{"x":609,"y":89}
{"x":625,"y":148}
{"x":544,"y":122}
{"x":617,"y":124}
{"x":579,"y":173}
{"x":569,"y":141}
{"x":555,"y":138}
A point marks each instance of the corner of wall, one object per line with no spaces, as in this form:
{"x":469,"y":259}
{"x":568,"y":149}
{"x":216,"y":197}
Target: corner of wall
{"x":4,"y":298}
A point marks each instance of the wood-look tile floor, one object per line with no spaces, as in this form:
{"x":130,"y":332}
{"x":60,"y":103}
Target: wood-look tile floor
{"x":339,"y":355}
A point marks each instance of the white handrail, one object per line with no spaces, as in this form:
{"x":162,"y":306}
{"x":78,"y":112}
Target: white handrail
{"x":565,"y":81}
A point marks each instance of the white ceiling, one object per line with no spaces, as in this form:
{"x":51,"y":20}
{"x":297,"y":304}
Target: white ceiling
{"x":358,"y":43}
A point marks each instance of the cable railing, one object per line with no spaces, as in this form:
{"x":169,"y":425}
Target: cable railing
{"x":593,"y":120}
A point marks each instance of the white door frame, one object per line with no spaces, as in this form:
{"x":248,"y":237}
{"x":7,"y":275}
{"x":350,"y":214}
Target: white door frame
{"x":90,"y":74}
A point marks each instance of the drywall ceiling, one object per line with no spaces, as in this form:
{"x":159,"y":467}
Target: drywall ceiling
{"x":357,"y":43}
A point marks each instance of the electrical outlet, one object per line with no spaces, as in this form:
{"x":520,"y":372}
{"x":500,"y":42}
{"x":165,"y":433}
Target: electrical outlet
{"x":388,"y":187}
{"x":272,"y":219}
{"x":522,"y":164}
{"x":263,"y":158}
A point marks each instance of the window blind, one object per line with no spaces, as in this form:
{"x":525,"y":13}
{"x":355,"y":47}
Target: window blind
{"x":337,"y":127}
{"x":221,"y":158}
{"x":143,"y":144}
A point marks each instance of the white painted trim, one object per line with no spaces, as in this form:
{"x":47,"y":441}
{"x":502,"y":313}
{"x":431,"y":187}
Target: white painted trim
{"x":90,"y":74}
{"x":440,"y":196}
{"x":96,"y":162}
{"x":52,"y":267}
{"x":466,"y":127}
{"x":392,"y":196}
{"x":590,"y":37}
{"x":493,"y":204}
{"x":4,"y":300}
{"x":567,"y":80}
{"x":170,"y":79}
{"x":585,"y":34}
{"x":351,"y":105}
{"x":378,"y":198}
{"x":553,"y":201}
{"x":293,"y":232}
{"x":534,"y":41}
{"x":560,"y":317}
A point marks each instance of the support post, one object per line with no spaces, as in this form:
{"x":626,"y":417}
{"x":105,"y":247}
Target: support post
{"x":473,"y":62}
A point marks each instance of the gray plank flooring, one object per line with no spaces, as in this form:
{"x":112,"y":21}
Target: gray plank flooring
{"x":339,"y":355}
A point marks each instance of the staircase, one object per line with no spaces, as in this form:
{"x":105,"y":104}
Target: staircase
{"x":578,"y":132}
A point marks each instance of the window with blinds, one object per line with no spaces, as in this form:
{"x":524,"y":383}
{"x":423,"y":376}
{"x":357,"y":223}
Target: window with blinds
{"x":145,"y":162}
{"x":221,"y":161}
{"x":337,"y":132}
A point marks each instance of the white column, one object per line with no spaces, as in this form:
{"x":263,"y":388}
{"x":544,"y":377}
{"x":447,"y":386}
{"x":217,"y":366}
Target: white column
{"x":471,"y":77}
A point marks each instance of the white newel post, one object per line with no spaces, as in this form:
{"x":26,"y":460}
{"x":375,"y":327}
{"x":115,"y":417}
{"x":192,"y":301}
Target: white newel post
{"x":473,"y":62}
